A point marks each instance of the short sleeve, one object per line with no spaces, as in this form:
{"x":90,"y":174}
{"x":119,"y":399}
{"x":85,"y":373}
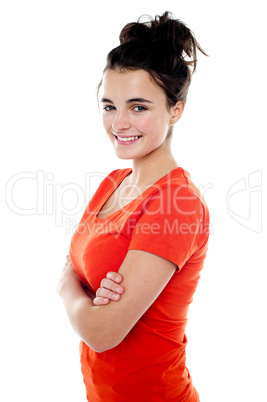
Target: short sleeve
{"x":171,"y":225}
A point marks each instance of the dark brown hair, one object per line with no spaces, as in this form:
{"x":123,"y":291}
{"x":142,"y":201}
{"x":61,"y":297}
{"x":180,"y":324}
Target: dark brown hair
{"x":164,"y":47}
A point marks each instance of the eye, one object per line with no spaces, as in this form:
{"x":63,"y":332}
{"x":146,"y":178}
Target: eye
{"x":108,"y":108}
{"x":139,"y":108}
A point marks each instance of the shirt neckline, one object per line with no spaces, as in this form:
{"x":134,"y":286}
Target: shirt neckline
{"x":113,"y":189}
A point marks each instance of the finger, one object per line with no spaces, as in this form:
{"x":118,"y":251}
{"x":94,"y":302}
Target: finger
{"x":101,"y":292}
{"x":110,"y":285}
{"x":100,"y":301}
{"x":114,"y":276}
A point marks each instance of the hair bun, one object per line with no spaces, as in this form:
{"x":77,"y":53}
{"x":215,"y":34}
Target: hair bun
{"x":134,"y":31}
{"x":164,"y":47}
{"x":165,"y":35}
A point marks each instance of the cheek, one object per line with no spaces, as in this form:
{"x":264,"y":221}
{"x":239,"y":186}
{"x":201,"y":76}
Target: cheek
{"x":146,"y":125}
{"x":156,"y":126}
{"x":106,"y":122}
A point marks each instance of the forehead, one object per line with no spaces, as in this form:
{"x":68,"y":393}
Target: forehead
{"x":131,"y":84}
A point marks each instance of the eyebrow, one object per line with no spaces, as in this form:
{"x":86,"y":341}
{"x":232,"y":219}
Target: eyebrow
{"x":139,"y":100}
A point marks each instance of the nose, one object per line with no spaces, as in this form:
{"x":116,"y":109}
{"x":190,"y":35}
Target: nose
{"x":121,"y":121}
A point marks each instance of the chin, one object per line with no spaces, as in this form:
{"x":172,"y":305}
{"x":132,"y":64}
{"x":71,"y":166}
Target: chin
{"x":129,"y":155}
{"x":125,"y":157}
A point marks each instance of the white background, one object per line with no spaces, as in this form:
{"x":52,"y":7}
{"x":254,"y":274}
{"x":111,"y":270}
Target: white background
{"x":52,"y":56}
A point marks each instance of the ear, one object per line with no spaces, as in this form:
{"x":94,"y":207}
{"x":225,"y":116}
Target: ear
{"x":177,"y":111}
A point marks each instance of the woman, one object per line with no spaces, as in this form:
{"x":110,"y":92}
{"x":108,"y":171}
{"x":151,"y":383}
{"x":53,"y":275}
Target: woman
{"x":146,"y":227}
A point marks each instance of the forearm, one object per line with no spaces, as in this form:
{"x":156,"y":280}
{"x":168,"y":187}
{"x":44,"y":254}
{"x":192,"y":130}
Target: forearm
{"x":79,"y":309}
{"x":92,"y":323}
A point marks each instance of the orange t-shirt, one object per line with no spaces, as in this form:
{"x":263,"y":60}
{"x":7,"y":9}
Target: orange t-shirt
{"x":169,"y":219}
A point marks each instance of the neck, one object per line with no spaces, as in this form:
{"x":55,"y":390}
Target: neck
{"x":152,"y":167}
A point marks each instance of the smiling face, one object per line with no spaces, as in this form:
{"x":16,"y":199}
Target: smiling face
{"x":134,"y":113}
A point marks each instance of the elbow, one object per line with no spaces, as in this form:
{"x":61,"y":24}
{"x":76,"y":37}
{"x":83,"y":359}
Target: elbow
{"x":98,"y":331}
{"x":99,"y":349}
{"x":102,"y":338}
{"x":101,"y":344}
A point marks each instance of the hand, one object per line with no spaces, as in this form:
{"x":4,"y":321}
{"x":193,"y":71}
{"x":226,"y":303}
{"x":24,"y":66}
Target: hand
{"x":109,"y":289}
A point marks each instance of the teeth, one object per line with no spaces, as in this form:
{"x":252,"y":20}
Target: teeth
{"x":128,"y":138}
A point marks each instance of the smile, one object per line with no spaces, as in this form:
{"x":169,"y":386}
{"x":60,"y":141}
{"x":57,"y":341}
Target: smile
{"x":127,"y":139}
